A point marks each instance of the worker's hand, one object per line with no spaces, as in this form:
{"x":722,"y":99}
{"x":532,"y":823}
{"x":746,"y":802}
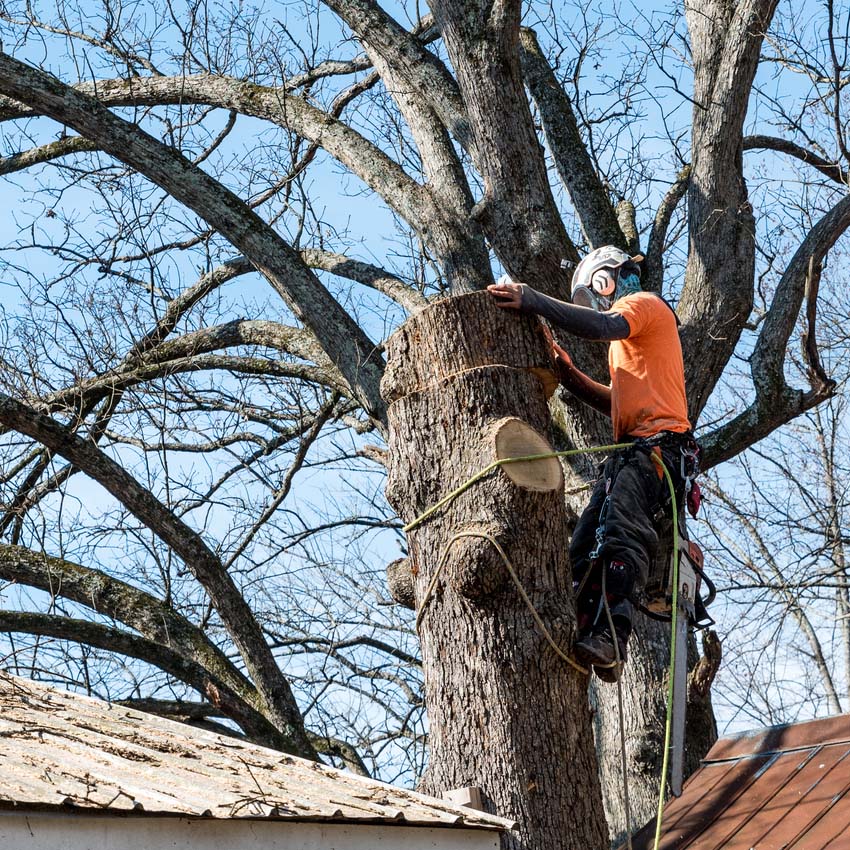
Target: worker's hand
{"x":507,"y":293}
{"x":558,"y":353}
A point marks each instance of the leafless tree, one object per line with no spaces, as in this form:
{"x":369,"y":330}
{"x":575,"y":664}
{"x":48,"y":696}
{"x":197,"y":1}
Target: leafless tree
{"x":195,"y":325}
{"x":781,"y":537}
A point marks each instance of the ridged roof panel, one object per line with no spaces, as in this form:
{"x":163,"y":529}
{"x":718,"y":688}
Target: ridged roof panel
{"x":61,"y":749}
{"x":780,"y":788}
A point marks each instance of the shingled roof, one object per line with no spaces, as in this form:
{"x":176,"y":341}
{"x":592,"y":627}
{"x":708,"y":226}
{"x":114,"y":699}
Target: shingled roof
{"x":782,"y":787}
{"x":59,"y":750}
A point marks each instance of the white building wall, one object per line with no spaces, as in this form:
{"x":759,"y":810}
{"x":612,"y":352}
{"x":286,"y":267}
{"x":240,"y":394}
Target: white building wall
{"x":72,"y":831}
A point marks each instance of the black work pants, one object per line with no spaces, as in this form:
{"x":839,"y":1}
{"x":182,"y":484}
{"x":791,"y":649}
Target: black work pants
{"x":618,"y":527}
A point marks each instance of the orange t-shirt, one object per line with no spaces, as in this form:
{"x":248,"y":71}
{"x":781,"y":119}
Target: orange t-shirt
{"x":647,"y":372}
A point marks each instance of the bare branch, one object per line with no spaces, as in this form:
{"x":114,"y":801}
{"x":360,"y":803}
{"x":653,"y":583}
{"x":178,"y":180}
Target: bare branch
{"x":342,"y":750}
{"x":174,"y":663}
{"x":417,"y":67}
{"x":179,"y":306}
{"x":185,"y":354}
{"x":283,"y":491}
{"x":769,"y":354}
{"x":367,"y":274}
{"x":593,"y":207}
{"x":45,"y":153}
{"x":518,"y":212}
{"x":816,"y":373}
{"x":653,"y":270}
{"x":381,"y":173}
{"x":453,"y":236}
{"x":726,"y":40}
{"x":201,"y":561}
{"x":342,"y":339}
{"x":113,"y":598}
{"x":832,"y":170}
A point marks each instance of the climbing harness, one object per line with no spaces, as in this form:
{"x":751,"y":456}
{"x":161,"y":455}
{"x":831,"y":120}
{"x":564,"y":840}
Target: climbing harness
{"x":679,"y":615}
{"x":657,"y":596}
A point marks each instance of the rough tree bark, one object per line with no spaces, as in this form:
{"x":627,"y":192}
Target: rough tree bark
{"x":506,"y":714}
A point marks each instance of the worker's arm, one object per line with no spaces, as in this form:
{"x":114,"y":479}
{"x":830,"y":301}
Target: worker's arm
{"x":583,"y":387}
{"x":581,"y":321}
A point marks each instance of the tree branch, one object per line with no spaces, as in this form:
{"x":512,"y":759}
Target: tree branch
{"x":415,"y":66}
{"x":653,"y":267}
{"x":832,"y":170}
{"x":454,"y":236}
{"x":182,"y":303}
{"x":717,"y":297}
{"x":282,"y":492}
{"x":45,"y":153}
{"x":811,"y":356}
{"x":346,"y":344}
{"x":186,"y":354}
{"x":769,"y":354}
{"x":594,"y":211}
{"x":518,"y":212}
{"x":140,"y":611}
{"x":367,"y":274}
{"x":234,"y":611}
{"x":368,"y":162}
{"x":342,"y":750}
{"x":775,"y":403}
{"x":162,"y":657}
{"x":29,"y":495}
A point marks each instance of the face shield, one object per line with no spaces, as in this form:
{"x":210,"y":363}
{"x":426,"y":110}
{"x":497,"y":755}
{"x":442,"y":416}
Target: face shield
{"x":599,"y":294}
{"x":584,"y":296}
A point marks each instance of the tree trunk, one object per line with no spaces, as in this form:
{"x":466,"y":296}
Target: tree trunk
{"x":644,"y":713}
{"x":506,"y":713}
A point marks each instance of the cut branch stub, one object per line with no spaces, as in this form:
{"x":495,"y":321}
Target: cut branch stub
{"x":400,"y":583}
{"x":515,"y":438}
{"x":462,"y":333}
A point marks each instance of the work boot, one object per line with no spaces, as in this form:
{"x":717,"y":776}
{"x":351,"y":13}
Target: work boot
{"x":597,"y":650}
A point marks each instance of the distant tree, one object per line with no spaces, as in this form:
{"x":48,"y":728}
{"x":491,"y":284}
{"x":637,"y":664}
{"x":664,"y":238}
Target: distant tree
{"x":781,"y":533}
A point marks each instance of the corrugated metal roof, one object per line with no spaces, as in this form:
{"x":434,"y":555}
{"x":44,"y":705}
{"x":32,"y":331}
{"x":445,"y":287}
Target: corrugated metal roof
{"x":784,"y":787}
{"x":61,"y":749}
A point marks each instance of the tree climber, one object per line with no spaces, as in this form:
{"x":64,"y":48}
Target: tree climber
{"x":647,"y":405}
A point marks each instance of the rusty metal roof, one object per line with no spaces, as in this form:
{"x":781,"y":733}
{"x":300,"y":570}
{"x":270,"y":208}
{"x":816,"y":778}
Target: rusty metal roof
{"x":59,"y":749}
{"x":780,"y":788}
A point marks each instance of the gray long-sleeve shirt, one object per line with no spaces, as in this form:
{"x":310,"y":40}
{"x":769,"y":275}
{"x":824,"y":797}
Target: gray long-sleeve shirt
{"x":581,"y":321}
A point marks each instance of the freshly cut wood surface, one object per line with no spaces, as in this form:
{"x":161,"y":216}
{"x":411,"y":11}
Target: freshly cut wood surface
{"x":515,"y":438}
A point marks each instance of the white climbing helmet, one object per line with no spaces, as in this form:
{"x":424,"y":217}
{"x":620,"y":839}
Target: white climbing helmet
{"x":595,"y":277}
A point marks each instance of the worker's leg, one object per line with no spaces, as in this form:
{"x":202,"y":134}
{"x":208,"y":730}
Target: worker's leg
{"x":629,"y":544}
{"x":629,"y":536}
{"x":586,"y":574}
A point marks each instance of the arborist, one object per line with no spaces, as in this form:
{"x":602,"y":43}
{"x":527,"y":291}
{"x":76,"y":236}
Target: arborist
{"x":618,"y":531}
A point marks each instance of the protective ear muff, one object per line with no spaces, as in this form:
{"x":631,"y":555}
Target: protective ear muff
{"x":584,"y":296}
{"x":604,"y":281}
